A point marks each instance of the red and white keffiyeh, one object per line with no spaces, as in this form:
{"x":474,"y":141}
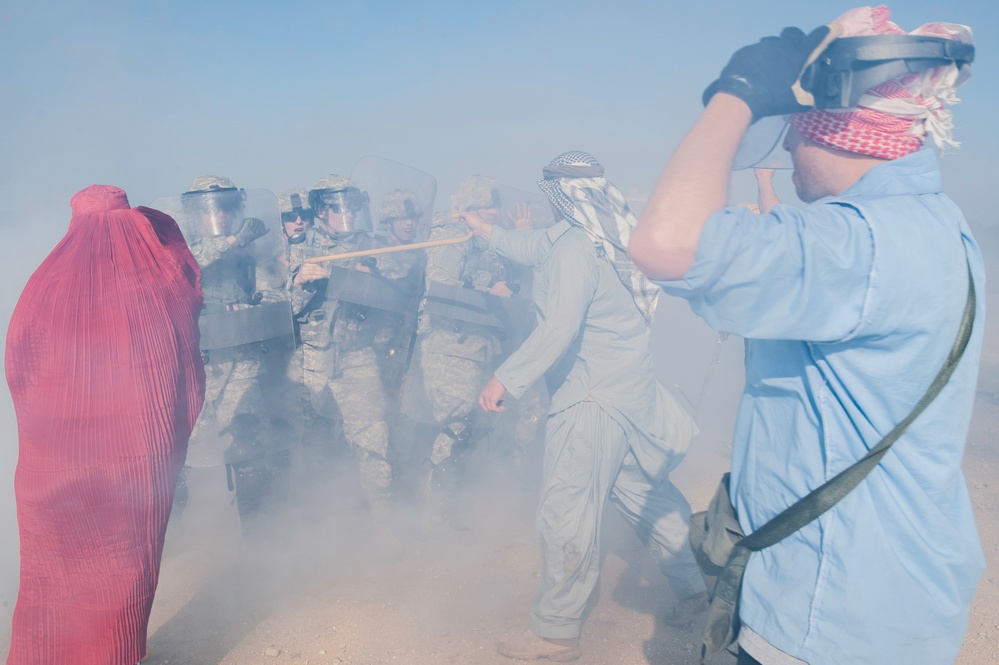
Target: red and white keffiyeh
{"x":892,"y":120}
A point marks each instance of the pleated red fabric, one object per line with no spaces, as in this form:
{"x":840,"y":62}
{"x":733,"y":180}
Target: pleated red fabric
{"x":104,"y":368}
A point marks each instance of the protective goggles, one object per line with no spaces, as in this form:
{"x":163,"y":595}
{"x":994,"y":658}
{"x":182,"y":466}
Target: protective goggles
{"x":306,"y":214}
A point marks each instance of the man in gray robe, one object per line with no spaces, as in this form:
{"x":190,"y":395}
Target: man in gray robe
{"x":613,"y":431}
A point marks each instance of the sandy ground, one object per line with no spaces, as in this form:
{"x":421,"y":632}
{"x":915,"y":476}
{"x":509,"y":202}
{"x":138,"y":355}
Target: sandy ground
{"x":321,"y":591}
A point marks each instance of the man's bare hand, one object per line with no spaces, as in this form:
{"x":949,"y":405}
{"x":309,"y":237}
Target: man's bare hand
{"x":522,"y":222}
{"x":491,"y":397}
{"x":764,"y":175}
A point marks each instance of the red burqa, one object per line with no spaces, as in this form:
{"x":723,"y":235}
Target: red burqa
{"x":103,"y":365}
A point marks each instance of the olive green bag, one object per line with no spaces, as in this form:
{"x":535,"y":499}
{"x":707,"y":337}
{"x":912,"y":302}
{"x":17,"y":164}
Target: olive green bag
{"x":721,"y":548}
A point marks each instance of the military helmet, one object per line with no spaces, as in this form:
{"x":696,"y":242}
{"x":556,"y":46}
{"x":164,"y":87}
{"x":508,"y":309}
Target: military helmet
{"x":337,"y":194}
{"x":474,"y":193}
{"x":333,"y":181}
{"x":205,"y":183}
{"x":214,"y":202}
{"x":294,"y":203}
{"x":400,"y":204}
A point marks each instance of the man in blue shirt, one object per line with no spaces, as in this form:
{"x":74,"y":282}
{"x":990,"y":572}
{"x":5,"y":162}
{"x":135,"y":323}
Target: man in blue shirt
{"x":849,"y":307}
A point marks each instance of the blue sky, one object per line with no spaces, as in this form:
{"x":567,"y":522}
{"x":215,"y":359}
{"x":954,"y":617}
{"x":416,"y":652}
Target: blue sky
{"x":148,"y":95}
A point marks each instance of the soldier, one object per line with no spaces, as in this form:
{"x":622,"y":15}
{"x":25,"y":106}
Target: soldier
{"x":296,"y":215}
{"x":400,"y":216}
{"x":237,"y":333}
{"x":456,"y":349}
{"x":338,"y":331}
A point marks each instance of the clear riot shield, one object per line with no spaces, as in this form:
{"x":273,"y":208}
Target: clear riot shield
{"x":382,"y":292}
{"x":523,"y":210}
{"x":245,"y":321}
{"x":206,"y":216}
{"x":232,"y":316}
{"x":370,"y":308}
{"x":389,"y":185}
{"x":201,"y":217}
{"x":508,"y":317}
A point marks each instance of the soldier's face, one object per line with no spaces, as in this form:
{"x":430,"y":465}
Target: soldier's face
{"x":219,"y":222}
{"x":404,"y":230}
{"x":295,"y":227}
{"x":336,"y":222}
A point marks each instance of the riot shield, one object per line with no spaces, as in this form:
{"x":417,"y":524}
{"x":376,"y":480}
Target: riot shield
{"x":520,"y":211}
{"x":508,"y":318}
{"x":477,"y":308}
{"x":402,"y":205}
{"x":223,"y":328}
{"x":519,"y":206}
{"x":199,"y":222}
{"x":384,"y":179}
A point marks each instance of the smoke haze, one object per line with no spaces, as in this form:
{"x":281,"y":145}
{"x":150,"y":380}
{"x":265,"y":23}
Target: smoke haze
{"x":147,"y":96}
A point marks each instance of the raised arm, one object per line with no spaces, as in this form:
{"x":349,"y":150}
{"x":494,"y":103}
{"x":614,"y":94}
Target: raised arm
{"x":693,"y":185}
{"x":756,"y":83}
{"x":766,"y":195}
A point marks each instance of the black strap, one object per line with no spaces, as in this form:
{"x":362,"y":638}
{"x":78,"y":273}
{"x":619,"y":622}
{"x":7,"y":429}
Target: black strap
{"x":882,"y":48}
{"x":829,"y":493}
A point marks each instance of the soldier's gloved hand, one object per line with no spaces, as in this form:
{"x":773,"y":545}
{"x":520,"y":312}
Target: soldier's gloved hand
{"x":762,"y":74}
{"x":252,"y":229}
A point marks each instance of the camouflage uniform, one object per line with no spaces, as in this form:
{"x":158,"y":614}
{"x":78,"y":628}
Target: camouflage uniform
{"x":340,"y":366}
{"x":236,"y":388}
{"x":406,"y":269}
{"x":453,"y":359}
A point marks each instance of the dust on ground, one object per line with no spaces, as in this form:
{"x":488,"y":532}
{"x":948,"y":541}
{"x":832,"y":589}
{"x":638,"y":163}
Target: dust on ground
{"x":324,"y":587}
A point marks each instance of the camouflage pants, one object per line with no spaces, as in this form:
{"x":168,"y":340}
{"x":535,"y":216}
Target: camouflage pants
{"x":237,"y":387}
{"x":232,"y":386}
{"x":453,"y":367}
{"x":355,"y":394}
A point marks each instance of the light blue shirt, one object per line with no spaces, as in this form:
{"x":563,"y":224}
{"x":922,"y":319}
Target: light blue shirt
{"x":592,"y":342}
{"x":849,"y":308}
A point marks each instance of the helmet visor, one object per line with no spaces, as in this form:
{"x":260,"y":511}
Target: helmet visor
{"x":215,"y":211}
{"x":342,"y":210}
{"x":763,"y":146}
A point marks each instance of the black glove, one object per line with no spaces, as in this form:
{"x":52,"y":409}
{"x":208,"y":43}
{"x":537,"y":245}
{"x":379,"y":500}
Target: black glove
{"x":252,"y":229}
{"x":762,"y":74}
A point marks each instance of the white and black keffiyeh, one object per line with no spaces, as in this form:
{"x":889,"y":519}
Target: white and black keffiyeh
{"x":575,"y":184}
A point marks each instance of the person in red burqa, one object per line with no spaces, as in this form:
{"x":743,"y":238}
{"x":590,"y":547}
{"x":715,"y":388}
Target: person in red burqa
{"x":104,"y":369}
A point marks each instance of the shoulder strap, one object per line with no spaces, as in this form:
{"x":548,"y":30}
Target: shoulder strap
{"x":824,"y":497}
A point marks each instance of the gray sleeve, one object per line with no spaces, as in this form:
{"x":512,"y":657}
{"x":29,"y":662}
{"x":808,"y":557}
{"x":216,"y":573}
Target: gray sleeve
{"x":565,"y":307}
{"x":524,"y":247}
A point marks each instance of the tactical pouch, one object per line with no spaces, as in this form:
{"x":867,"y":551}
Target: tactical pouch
{"x":714,"y":537}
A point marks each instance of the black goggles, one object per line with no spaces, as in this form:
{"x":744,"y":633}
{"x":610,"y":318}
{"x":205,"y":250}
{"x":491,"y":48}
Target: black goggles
{"x":307,"y":216}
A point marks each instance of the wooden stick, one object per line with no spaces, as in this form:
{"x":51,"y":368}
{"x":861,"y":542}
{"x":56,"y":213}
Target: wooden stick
{"x":390,"y":250}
